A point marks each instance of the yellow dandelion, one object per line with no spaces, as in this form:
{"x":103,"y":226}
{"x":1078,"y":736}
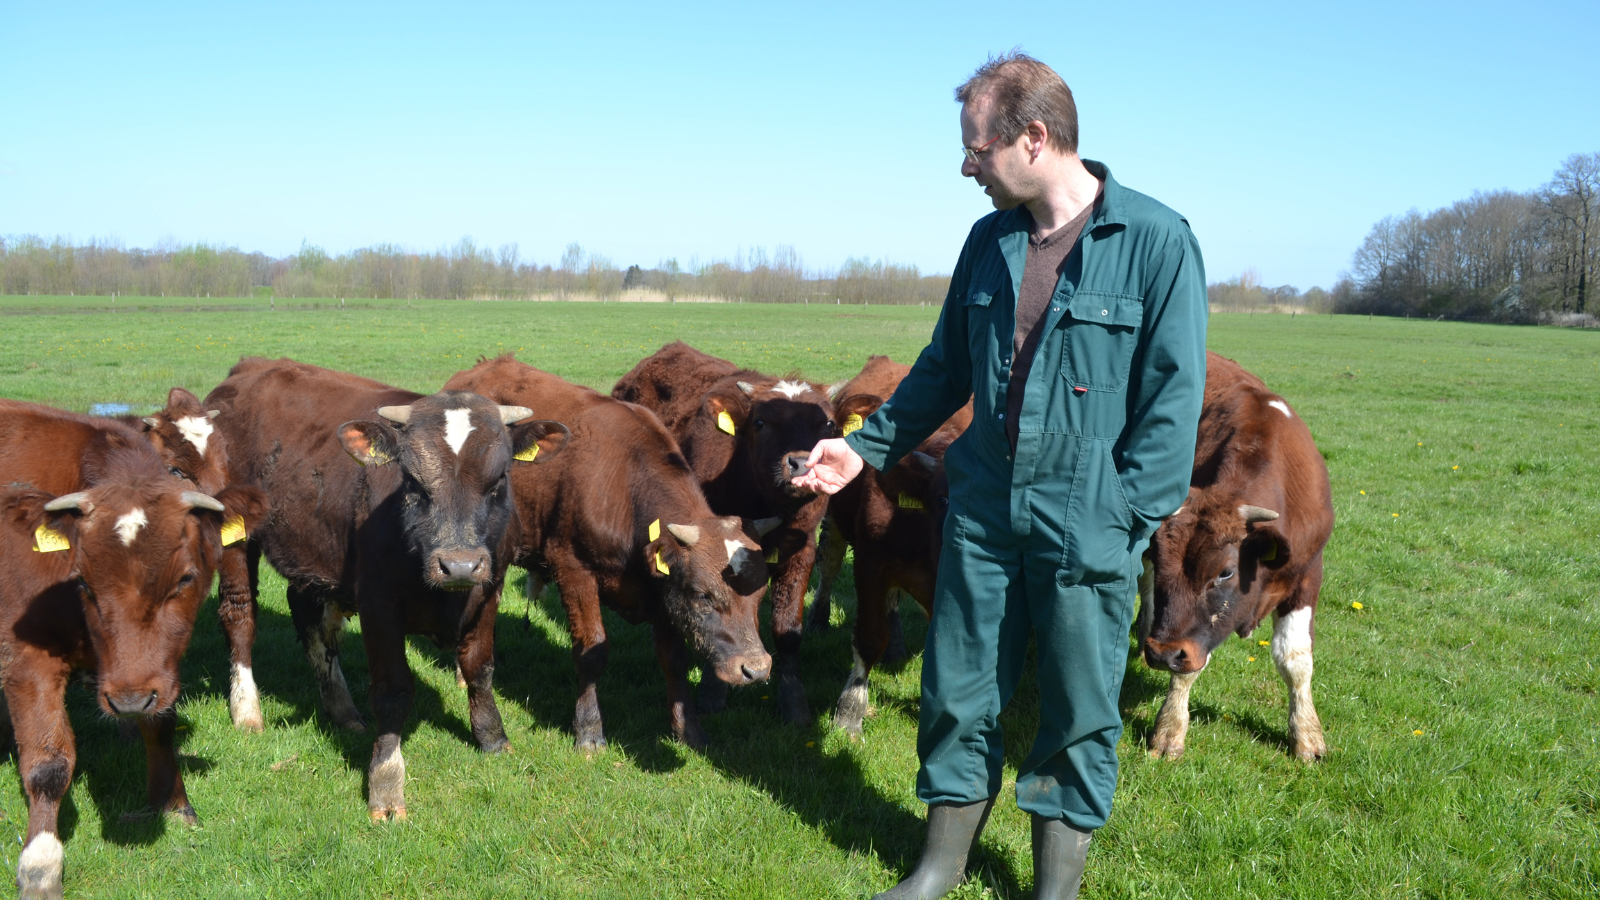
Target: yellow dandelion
{"x":1418,"y":732}
{"x":1363,"y":493}
{"x":1357,"y":605}
{"x":1252,"y":659}
{"x":811,"y":743}
{"x":1453,"y":468}
{"x":1396,"y":515}
{"x":1419,"y":443}
{"x":1262,"y":643}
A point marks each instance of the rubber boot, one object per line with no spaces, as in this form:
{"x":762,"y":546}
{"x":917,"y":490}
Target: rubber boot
{"x":1059,"y":852}
{"x":952,"y":829}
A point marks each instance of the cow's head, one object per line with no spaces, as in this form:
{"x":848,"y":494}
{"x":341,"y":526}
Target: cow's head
{"x":140,"y":548}
{"x":454,"y":450}
{"x":182,"y":433}
{"x":1212,"y":562}
{"x":713,"y":577}
{"x":778,"y":424}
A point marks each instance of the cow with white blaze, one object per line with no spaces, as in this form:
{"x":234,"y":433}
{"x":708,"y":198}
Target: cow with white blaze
{"x":1247,"y":543}
{"x":390,"y":504}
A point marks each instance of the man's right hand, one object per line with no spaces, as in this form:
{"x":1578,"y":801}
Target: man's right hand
{"x":831,"y":466}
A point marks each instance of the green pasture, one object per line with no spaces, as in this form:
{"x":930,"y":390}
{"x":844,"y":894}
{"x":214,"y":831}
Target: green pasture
{"x":1459,"y":699}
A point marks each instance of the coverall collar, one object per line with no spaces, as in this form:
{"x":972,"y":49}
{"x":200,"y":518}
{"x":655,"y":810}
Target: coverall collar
{"x":1013,"y":230}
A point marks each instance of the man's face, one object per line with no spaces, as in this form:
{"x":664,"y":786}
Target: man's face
{"x":1003,"y":168}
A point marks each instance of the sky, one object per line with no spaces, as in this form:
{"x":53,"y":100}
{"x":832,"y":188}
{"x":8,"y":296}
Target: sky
{"x":699,"y":131}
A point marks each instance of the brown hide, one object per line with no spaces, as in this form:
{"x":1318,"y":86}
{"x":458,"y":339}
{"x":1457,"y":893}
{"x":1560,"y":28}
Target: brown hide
{"x":893,"y":521}
{"x":1216,"y":572}
{"x":748,"y":474}
{"x":119,"y":601}
{"x":373,"y":511}
{"x":586,"y":523}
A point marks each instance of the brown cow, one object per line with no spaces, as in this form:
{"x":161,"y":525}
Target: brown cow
{"x":1247,"y":542}
{"x":893,"y":522}
{"x":619,"y":519}
{"x":403,"y":514}
{"x":746,"y":435}
{"x":104,"y":560}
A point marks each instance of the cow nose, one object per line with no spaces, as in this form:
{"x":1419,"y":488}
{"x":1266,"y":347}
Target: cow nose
{"x":1180,"y":656}
{"x":131,"y":703}
{"x":795,"y":464}
{"x":462,"y":568}
{"x":756,"y":670}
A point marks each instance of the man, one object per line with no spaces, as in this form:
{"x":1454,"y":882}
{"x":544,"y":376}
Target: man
{"x":1076,"y":322}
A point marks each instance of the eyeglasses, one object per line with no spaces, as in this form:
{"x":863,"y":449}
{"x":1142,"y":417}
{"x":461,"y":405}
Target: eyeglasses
{"x":972,"y":155}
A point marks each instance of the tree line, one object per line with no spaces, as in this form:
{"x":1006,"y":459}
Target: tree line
{"x":32,"y":265}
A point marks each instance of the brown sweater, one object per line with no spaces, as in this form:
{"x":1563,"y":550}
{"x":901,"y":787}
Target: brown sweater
{"x":1047,"y":259}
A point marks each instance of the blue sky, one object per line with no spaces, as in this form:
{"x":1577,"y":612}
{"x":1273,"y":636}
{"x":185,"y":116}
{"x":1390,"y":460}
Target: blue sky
{"x":643,"y":131}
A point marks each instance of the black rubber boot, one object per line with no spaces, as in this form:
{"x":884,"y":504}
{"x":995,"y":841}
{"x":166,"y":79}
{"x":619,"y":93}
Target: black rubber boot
{"x":952,"y":829}
{"x":1059,"y":852}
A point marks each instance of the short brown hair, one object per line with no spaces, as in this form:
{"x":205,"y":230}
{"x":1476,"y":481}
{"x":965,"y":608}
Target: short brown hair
{"x":1024,"y":90}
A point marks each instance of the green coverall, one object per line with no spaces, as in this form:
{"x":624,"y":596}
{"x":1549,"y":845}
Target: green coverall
{"x":1051,"y":540}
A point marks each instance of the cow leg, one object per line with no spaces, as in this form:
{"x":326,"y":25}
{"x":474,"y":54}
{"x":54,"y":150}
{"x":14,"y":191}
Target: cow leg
{"x":895,"y":652}
{"x":391,"y":692}
{"x":674,"y":660}
{"x":536,"y":585}
{"x":163,"y":780}
{"x":580,"y":596}
{"x":1172,"y":722}
{"x":236,"y":607}
{"x":319,"y":623}
{"x":1291,"y":652}
{"x":871,"y":637}
{"x":475,"y":665}
{"x":788,"y":605}
{"x":830,"y":559}
{"x":46,"y":754}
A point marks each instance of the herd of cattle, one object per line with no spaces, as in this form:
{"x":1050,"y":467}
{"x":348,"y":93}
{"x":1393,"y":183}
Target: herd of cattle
{"x":669,"y":501}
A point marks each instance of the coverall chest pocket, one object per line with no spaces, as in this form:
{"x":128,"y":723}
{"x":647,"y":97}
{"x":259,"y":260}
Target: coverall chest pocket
{"x":979,"y":331}
{"x":1099,"y":338}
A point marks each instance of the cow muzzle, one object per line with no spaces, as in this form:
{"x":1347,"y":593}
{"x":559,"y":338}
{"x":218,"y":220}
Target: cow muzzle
{"x":132,"y":704}
{"x":458,"y":570}
{"x":1179,"y":657}
{"x":746,"y":668}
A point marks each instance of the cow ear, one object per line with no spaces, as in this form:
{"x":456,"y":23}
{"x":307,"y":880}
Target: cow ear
{"x":244,"y":508}
{"x":1267,"y":546}
{"x":728,"y":408}
{"x":538,"y":440}
{"x":181,"y":402}
{"x":49,"y":530}
{"x":663,"y":556}
{"x":862,"y":405}
{"x":369,"y":442}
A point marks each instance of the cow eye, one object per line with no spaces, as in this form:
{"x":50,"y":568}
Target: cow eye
{"x":759,"y":423}
{"x":1226,"y":574}
{"x":178,"y":472}
{"x":832,"y":426}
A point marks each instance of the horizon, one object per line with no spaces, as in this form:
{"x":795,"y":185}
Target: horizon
{"x":645,"y":135}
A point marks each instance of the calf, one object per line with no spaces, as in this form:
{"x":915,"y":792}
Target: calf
{"x":406,"y":519}
{"x":745,"y":435}
{"x":892,"y":520}
{"x":1247,"y":542}
{"x":105,"y":558}
{"x":619,"y":519}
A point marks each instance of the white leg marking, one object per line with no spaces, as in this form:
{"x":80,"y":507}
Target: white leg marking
{"x":330,"y":677}
{"x":195,"y":429}
{"x":386,"y":784}
{"x":244,"y":703}
{"x":1282,"y":407}
{"x":1291,"y":652}
{"x":128,"y":525}
{"x":457,"y":425}
{"x":1172,"y":722}
{"x":39,"y":867}
{"x":852,"y":706}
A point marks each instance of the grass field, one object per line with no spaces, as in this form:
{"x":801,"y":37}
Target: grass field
{"x":1460,"y":701}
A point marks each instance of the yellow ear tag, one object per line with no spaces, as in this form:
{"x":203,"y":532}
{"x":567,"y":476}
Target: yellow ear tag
{"x":907,"y":501}
{"x":655,"y":530}
{"x":852,"y":422}
{"x":1271,"y":554}
{"x":48,"y":540}
{"x":528,"y":455}
{"x":772,"y":556}
{"x":725,"y":422}
{"x":233,"y":530}
{"x":661,"y":566}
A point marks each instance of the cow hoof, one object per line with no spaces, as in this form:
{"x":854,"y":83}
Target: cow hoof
{"x":39,"y":868}
{"x":712,"y":697}
{"x":589,"y":746}
{"x":250,"y":726}
{"x":1310,"y":750}
{"x":694,"y":738}
{"x":850,"y":726}
{"x":1166,"y":749}
{"x":184,"y":814}
{"x":397,"y":813}
{"x":356,"y":724}
{"x":496,"y":745}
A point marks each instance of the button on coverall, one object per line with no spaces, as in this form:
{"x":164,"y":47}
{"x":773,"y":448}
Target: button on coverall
{"x":1051,"y":540}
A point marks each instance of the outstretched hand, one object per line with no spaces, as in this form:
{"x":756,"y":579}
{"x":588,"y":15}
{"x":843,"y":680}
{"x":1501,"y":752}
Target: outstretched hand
{"x":831,"y":466}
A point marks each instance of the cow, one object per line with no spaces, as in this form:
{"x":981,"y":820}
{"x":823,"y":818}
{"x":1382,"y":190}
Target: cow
{"x":746,"y":435}
{"x":892,"y":520}
{"x":105,"y":559}
{"x":1247,"y":542}
{"x":390,"y":504}
{"x":619,"y":520}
